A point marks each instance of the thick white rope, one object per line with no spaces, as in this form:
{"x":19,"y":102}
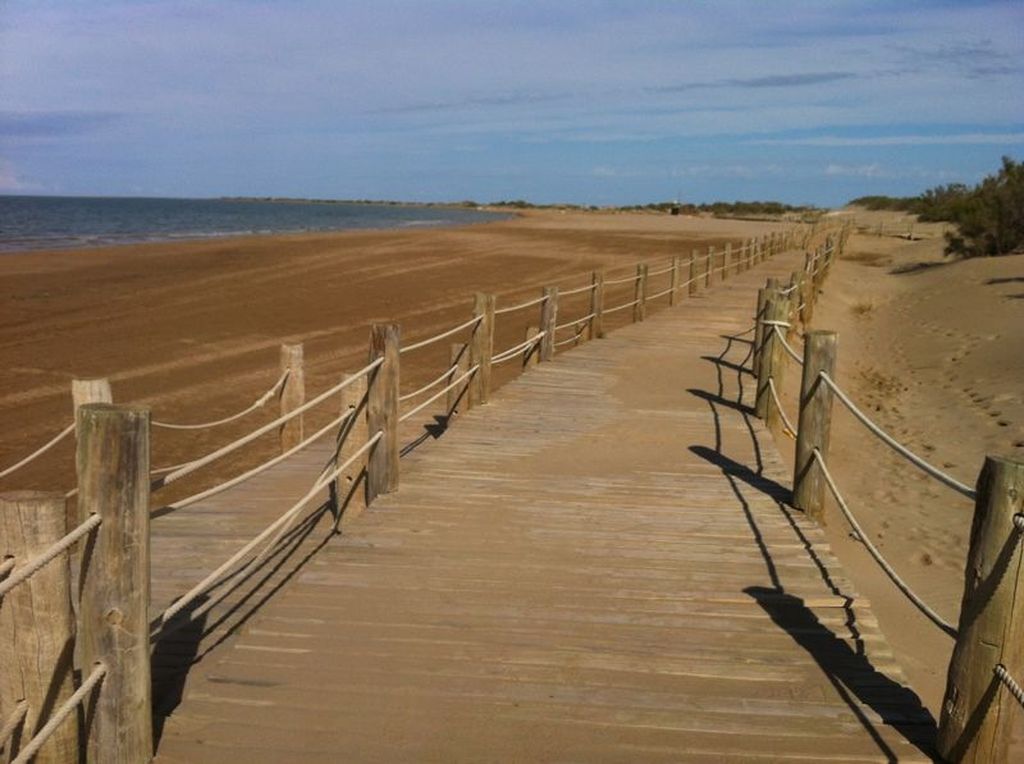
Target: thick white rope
{"x":570,"y":340}
{"x":575,"y":322}
{"x":40,"y":451}
{"x":455,"y":383}
{"x":48,"y":555}
{"x":14,"y":719}
{"x":226,"y":587}
{"x":788,"y":290}
{"x":225,"y":566}
{"x":232,"y":482}
{"x":781,"y":336}
{"x":57,"y":718}
{"x":6,"y":566}
{"x":1010,"y":683}
{"x":620,"y":307}
{"x":895,"y":445}
{"x":864,"y":539}
{"x":578,"y":290}
{"x":661,"y":272}
{"x":627,"y":280}
{"x":439,"y":380}
{"x":512,"y":352}
{"x":235,"y":445}
{"x":438,"y":337}
{"x":258,"y":403}
{"x":778,"y":405}
{"x":521,"y":306}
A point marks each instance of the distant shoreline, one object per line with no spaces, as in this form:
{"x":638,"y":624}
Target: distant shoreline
{"x":39,"y":223}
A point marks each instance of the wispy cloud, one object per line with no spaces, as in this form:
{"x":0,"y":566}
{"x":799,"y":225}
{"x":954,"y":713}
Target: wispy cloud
{"x":873,"y":170}
{"x":50,"y":124}
{"x":961,"y":139}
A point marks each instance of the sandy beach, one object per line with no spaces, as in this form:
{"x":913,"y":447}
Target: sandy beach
{"x":192,"y":330}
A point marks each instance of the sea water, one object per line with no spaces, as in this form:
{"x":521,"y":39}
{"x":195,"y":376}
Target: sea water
{"x":62,"y":222}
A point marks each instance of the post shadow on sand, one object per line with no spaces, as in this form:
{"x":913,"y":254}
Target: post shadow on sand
{"x":848,"y":670}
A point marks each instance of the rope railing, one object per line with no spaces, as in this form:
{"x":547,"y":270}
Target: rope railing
{"x":432,"y":383}
{"x":669,"y":269}
{"x":258,"y":403}
{"x":576,"y":322}
{"x":662,"y":293}
{"x":258,"y":469}
{"x":626,"y":280}
{"x":210,"y":579}
{"x":455,"y":383}
{"x":438,"y":337}
{"x":620,"y":307}
{"x":895,"y":445}
{"x":12,"y":722}
{"x":27,"y":753}
{"x":192,"y":466}
{"x":778,"y":406}
{"x":49,"y":554}
{"x":515,"y":350}
{"x":39,"y":451}
{"x":1009,"y":683}
{"x":520,"y":306}
{"x":781,"y":336}
{"x":578,"y":290}
{"x":902,"y":585}
{"x":570,"y":340}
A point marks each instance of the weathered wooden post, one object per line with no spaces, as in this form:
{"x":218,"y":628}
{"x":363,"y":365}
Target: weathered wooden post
{"x":673,"y":283}
{"x":293,"y":395}
{"x":596,"y":306}
{"x":351,"y":436}
{"x":694,"y":260}
{"x":726,"y":260}
{"x":481,"y":348}
{"x":37,"y":626}
{"x":531,"y":355}
{"x":709,"y":266}
{"x":978,"y":712}
{"x":806,"y":296}
{"x":815,"y":423}
{"x":456,"y":399}
{"x":748,"y":254}
{"x":90,"y":391}
{"x":548,"y":321}
{"x":640,"y":293}
{"x":113,"y":482}
{"x":769,"y":364}
{"x":382,"y":412}
{"x":762,"y":300}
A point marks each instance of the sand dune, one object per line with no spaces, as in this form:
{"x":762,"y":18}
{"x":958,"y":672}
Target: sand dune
{"x":934,"y":349}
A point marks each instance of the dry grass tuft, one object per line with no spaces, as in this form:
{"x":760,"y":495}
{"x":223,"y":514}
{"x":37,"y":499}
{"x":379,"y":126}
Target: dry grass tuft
{"x":871,"y":259}
{"x":862,"y":309}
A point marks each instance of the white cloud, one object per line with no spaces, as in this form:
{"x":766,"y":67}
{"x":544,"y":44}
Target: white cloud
{"x":858,"y":171}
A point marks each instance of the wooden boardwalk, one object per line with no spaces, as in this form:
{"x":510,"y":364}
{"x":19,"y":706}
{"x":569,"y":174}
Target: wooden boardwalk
{"x":599,"y":565}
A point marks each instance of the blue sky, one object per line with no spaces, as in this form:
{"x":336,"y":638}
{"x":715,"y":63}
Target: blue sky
{"x":590,"y":102}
